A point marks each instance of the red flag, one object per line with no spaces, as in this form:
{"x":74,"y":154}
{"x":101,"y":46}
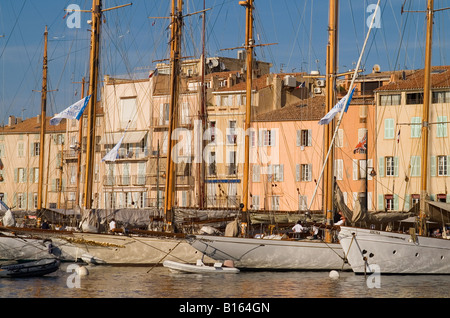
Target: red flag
{"x":361,"y":147}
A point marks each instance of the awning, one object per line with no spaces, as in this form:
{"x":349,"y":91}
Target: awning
{"x":131,"y":137}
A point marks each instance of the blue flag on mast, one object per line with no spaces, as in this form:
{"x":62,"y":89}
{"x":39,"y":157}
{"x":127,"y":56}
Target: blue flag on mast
{"x":341,"y":105}
{"x":74,"y":111}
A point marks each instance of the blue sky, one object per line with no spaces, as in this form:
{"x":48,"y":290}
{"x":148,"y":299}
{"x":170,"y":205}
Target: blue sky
{"x":131,"y":41}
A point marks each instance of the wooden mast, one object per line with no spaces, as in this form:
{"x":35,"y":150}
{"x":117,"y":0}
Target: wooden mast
{"x":43,"y":122}
{"x":249,"y":52}
{"x":93,"y":78}
{"x":175,"y":45}
{"x":425,"y":117}
{"x":328,"y":179}
{"x":200,"y":165}
{"x":79,"y":147}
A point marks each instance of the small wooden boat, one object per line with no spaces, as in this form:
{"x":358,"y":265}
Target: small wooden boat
{"x":200,"y":268}
{"x":30,"y":269}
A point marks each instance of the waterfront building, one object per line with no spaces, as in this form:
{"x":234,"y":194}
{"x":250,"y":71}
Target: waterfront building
{"x":19,"y":154}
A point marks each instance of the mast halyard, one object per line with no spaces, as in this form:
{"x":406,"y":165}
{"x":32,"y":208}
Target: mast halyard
{"x":425,"y":118}
{"x":43,"y":122}
{"x":175,"y":45}
{"x":328,"y":180}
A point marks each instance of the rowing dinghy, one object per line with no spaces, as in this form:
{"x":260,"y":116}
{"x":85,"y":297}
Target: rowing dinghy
{"x":30,"y":269}
{"x":199,"y":268}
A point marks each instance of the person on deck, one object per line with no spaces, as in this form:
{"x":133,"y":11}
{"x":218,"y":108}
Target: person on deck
{"x":298,"y":228}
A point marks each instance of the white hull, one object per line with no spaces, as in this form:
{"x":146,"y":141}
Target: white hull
{"x":200,"y":268}
{"x":394,"y":253}
{"x":23,"y":249}
{"x":134,"y":250}
{"x":255,"y":253}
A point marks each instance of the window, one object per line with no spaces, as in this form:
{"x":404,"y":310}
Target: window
{"x":304,"y":137}
{"x":339,"y":141}
{"x":389,"y":128}
{"x":20,"y":150}
{"x":164,"y":111}
{"x":255,"y":202}
{"x":416,"y":127}
{"x":414,"y":98}
{"x":391,"y":166}
{"x":35,"y":148}
{"x":231,"y":132}
{"x":302,"y":202}
{"x":275,"y":202}
{"x":232,"y":194}
{"x":278,"y":173}
{"x":212,"y":130}
{"x":232,"y":167}
{"x":441,"y":97}
{"x":256,"y":173}
{"x":212,"y":164}
{"x":339,"y":169}
{"x":441,"y":126}
{"x":267,"y":137}
{"x":306,"y":172}
{"x":127,"y":110}
{"x":387,"y":100}
{"x":389,"y":202}
{"x":442,"y":166}
{"x":415,"y":166}
{"x":184,"y":114}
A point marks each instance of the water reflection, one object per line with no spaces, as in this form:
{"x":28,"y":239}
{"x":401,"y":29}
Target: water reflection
{"x":159,"y":282}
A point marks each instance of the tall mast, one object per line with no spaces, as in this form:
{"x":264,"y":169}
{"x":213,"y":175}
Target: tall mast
{"x":328,"y":179}
{"x":79,"y":146}
{"x":43,"y":122}
{"x":93,"y":78}
{"x":175,"y":45}
{"x":249,"y":52}
{"x":425,"y":116}
{"x":201,"y":166}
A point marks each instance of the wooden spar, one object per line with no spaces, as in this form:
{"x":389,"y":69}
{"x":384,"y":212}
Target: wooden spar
{"x":43,"y":122}
{"x":79,"y":146}
{"x":175,"y":45}
{"x":93,"y":79}
{"x":91,"y":107}
{"x":425,"y":117}
{"x":328,"y":179}
{"x":249,"y":49}
{"x":200,"y":165}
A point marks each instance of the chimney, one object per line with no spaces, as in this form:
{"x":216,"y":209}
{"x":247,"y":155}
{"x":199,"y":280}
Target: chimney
{"x":38,"y":119}
{"x":11,"y":120}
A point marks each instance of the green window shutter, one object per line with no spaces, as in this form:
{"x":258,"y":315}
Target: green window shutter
{"x":380,"y":202}
{"x":442,"y":127}
{"x":396,"y":166}
{"x":448,"y":165}
{"x":299,"y":132}
{"x":433,"y":166}
{"x":396,"y":202}
{"x":281,"y":171}
{"x":389,"y":128}
{"x":297,"y":172}
{"x":415,"y":129}
{"x":381,"y":166}
{"x":407,"y":205}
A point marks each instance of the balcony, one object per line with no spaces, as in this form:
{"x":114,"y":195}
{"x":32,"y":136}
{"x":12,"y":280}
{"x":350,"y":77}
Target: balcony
{"x":231,"y":201}
{"x":126,"y":180}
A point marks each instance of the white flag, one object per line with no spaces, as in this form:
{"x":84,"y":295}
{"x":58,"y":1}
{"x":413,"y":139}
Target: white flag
{"x":113,"y":154}
{"x":72,"y":112}
{"x":342,"y":104}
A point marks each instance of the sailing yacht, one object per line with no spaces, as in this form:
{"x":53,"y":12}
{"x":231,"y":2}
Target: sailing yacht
{"x":414,"y":252}
{"x":259,"y":253}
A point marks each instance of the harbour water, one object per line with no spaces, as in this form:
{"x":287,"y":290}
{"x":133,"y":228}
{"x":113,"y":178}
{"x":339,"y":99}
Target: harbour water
{"x":159,"y":284}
